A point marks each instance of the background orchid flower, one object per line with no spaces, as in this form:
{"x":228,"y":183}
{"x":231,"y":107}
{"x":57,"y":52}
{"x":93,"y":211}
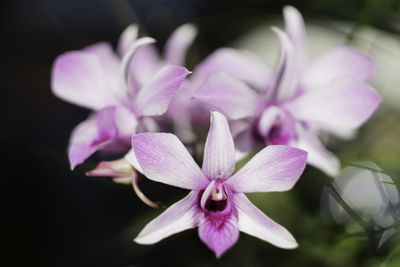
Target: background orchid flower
{"x":216,"y":203}
{"x":186,"y":110}
{"x":99,"y":79}
{"x":328,"y":94}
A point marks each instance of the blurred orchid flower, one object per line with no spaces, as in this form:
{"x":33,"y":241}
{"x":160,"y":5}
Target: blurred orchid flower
{"x":97,"y":78}
{"x":329,"y":94}
{"x":216,"y":203}
{"x":186,"y":110}
{"x":364,"y":199}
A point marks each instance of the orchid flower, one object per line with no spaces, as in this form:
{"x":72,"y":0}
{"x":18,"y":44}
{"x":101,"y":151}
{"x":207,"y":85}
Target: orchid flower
{"x":217,"y":203}
{"x":185,"y":110}
{"x":97,"y":78}
{"x":328,"y":94}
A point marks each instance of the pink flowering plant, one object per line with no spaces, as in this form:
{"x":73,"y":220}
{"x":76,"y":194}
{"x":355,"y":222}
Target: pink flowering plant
{"x":147,"y":109}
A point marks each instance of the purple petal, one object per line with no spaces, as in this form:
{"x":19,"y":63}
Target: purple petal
{"x":240,"y":65}
{"x":164,"y":159}
{"x":82,"y":142}
{"x":219,"y":233}
{"x":110,"y":67}
{"x":285,"y":81}
{"x":178,"y":43}
{"x":128,"y":36}
{"x":144,"y":64}
{"x":294,"y":26}
{"x":344,"y":103}
{"x":78,"y":77}
{"x":318,"y":155}
{"x":154,"y":98}
{"x":340,"y":61}
{"x":91,"y":135}
{"x":126,"y":122}
{"x":229,"y":95}
{"x":181,"y":216}
{"x":275,"y":168}
{"x":132,"y":53}
{"x":105,"y":121}
{"x":254,"y":222}
{"x":219,"y":150}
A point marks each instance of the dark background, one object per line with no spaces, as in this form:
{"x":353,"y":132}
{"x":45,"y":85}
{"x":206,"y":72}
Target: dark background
{"x":55,"y":217}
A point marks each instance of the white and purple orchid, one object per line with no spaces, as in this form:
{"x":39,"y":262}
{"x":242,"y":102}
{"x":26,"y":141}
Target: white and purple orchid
{"x":216,"y":203}
{"x":329,"y":94}
{"x":124,"y":94}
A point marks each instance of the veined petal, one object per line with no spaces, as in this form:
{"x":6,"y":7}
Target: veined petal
{"x":229,"y":95}
{"x":343,"y":103}
{"x":78,"y":77}
{"x":254,"y":222}
{"x":164,"y":159}
{"x":128,"y":36}
{"x":239,"y":64}
{"x":154,"y":98}
{"x":178,"y":43}
{"x":340,"y":61}
{"x":285,"y":81}
{"x":318,"y":155}
{"x":294,"y":26}
{"x":181,"y":216}
{"x":219,"y":234}
{"x":219,"y":150}
{"x":275,"y":168}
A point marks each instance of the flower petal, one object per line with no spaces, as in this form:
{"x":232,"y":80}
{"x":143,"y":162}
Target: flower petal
{"x":92,"y":134}
{"x":78,"y":77}
{"x":144,"y":64}
{"x":132,"y":53}
{"x":178,"y":43}
{"x":164,"y":159}
{"x":154,"y":98}
{"x":229,"y":95}
{"x":181,"y":216}
{"x":340,"y":61}
{"x":81,"y":142}
{"x":254,"y":222}
{"x":131,"y":158}
{"x":318,"y":155}
{"x":219,"y":234}
{"x":285,"y":81}
{"x":344,"y":103}
{"x":275,"y":168}
{"x":128,"y":36}
{"x":294,"y":27}
{"x":243,"y":66}
{"x":219,"y":150}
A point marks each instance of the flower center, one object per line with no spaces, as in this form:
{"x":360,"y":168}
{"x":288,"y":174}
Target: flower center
{"x":214,"y":198}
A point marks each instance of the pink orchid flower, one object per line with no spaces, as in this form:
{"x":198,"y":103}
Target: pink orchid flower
{"x":216,"y":203}
{"x":105,"y":82}
{"x":329,"y":94}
